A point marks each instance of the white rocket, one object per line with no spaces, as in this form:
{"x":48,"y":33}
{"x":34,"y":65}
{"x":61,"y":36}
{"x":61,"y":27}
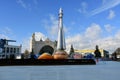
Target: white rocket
{"x":61,"y":38}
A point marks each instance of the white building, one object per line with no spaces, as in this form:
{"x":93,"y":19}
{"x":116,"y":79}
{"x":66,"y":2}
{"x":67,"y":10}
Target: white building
{"x":39,"y":47}
{"x":8,"y":50}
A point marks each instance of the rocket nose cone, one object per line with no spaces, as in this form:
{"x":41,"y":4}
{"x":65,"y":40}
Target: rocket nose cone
{"x":60,"y":11}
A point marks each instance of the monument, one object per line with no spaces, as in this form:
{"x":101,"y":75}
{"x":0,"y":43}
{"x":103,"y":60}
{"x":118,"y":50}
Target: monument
{"x":42,"y":46}
{"x":61,"y":46}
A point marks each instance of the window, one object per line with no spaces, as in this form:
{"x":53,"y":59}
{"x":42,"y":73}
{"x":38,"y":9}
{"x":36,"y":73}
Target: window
{"x":17,"y":50}
{"x":3,"y":55}
{"x":7,"y":49}
{"x":14,"y":50}
{"x":3,"y":50}
{"x":11,"y":50}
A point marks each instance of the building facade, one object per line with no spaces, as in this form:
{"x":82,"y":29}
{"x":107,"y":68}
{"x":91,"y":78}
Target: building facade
{"x":8,"y":50}
{"x":39,"y":47}
{"x":116,"y":54}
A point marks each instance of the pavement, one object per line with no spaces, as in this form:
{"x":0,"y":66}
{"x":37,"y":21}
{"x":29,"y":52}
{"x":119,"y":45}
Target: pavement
{"x":103,"y":70}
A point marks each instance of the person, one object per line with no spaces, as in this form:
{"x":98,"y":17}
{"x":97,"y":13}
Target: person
{"x":97,"y":53}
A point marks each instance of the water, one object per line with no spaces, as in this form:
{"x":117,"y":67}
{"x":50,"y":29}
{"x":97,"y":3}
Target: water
{"x":102,"y":71}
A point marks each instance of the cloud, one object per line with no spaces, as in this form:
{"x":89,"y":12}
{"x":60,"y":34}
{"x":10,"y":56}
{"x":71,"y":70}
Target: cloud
{"x":26,"y":44}
{"x":2,"y":36}
{"x":108,"y":27}
{"x":83,"y":8}
{"x":25,"y":5}
{"x":39,"y":36}
{"x":93,"y":36}
{"x":83,"y":41}
{"x":6,"y":33}
{"x":22,"y":3}
{"x":104,"y":1}
{"x":111,"y":14}
{"x":108,"y":4}
{"x":93,"y":32}
{"x":51,"y":26}
{"x":117,"y":36}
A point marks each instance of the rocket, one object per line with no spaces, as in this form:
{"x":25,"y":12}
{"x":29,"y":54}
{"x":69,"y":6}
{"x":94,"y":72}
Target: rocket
{"x":61,"y":38}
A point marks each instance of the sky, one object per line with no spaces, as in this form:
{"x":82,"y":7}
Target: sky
{"x":86,"y":22}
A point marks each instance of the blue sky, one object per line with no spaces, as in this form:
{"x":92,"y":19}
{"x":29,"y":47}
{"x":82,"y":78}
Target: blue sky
{"x":86,"y":22}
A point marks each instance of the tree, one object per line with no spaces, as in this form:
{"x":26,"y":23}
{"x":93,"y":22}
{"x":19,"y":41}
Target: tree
{"x":26,"y":54}
{"x":71,"y":51}
{"x":97,"y":52}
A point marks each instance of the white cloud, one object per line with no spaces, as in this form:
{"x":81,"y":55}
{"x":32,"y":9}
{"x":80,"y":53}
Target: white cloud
{"x":108,"y":27}
{"x":107,"y":5}
{"x":6,"y":33}
{"x":85,"y":40}
{"x":93,"y":32}
{"x":104,"y":1}
{"x":26,"y":44}
{"x":2,"y":36}
{"x":111,"y":14}
{"x":83,"y":8}
{"x":39,"y":36}
{"x":25,"y":5}
{"x":91,"y":37}
{"x":117,"y":36}
{"x":22,"y":3}
{"x":51,"y":26}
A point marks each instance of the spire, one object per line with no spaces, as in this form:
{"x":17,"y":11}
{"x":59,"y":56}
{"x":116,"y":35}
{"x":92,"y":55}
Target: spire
{"x":61,"y":39}
{"x":60,"y":12}
{"x":33,"y":36}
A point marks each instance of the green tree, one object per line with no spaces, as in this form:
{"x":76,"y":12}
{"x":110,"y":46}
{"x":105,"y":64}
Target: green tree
{"x":71,"y":51}
{"x":97,"y":52}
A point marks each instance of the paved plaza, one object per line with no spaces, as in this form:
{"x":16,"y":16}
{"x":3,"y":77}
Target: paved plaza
{"x":104,"y":70}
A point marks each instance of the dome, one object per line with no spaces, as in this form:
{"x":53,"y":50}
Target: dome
{"x":45,"y":56}
{"x":60,"y":54}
